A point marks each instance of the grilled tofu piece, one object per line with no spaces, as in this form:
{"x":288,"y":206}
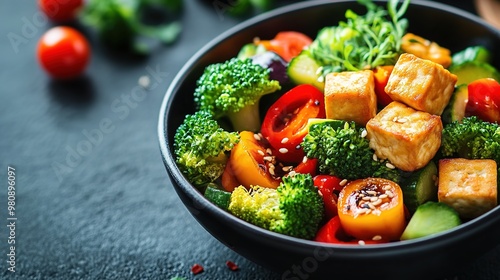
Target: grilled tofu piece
{"x":408,"y":138}
{"x":468,"y":185}
{"x":421,"y":84}
{"x":350,"y":96}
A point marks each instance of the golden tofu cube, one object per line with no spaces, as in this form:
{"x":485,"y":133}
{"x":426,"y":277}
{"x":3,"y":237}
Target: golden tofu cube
{"x":421,"y":84}
{"x":468,"y":185}
{"x":408,"y":138}
{"x":350,"y":96}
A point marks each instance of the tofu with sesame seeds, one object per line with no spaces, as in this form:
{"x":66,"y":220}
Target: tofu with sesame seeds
{"x":350,"y":96}
{"x":468,"y":185}
{"x":421,"y":84}
{"x":408,"y":138}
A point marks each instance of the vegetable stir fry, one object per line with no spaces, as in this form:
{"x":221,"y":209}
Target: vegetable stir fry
{"x":372,"y":134}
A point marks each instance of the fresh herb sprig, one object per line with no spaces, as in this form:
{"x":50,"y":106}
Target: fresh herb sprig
{"x":362,"y":41}
{"x":119,"y":22}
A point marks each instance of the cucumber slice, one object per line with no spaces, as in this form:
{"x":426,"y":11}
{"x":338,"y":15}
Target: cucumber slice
{"x":303,"y":69}
{"x":455,"y":110}
{"x":420,"y":187}
{"x":472,"y":70}
{"x":473,"y":53}
{"x":217,"y":196}
{"x":431,"y":218}
{"x":249,"y":50}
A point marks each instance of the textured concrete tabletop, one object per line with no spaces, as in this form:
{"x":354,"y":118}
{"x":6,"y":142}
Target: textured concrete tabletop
{"x":93,"y":200}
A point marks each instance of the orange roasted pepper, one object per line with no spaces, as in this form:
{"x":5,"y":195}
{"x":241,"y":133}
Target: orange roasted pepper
{"x":372,"y":209}
{"x":251,"y":164}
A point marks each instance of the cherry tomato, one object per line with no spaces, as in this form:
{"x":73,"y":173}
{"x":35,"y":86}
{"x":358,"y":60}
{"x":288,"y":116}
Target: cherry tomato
{"x":484,"y":100}
{"x":332,"y":232}
{"x":63,"y":52}
{"x":285,"y":123}
{"x":287,"y":44}
{"x":381,"y":74}
{"x":60,"y":10}
{"x":329,"y":186}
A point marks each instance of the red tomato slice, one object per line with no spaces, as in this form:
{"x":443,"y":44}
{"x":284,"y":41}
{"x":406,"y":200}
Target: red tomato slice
{"x":381,"y":74}
{"x":285,"y":123}
{"x":484,"y":100}
{"x":329,"y":187}
{"x":287,"y":44}
{"x":60,"y":11}
{"x":63,"y":52}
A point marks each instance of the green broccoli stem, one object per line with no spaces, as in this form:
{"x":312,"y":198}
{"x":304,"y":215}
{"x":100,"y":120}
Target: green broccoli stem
{"x":246,"y":119}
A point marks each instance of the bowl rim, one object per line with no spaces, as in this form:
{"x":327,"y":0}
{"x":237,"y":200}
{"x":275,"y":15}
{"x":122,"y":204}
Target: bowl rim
{"x":463,"y":231}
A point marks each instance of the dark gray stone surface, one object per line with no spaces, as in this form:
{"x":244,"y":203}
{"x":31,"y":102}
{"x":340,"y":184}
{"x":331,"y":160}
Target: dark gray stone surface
{"x":93,"y":200}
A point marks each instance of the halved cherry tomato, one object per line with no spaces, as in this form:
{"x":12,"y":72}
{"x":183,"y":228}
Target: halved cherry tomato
{"x":332,"y":232}
{"x":285,"y":123}
{"x":381,"y":74}
{"x":60,"y":11}
{"x":287,"y":44}
{"x":251,"y":164}
{"x":307,"y":166}
{"x":329,"y":186}
{"x":372,"y":208}
{"x":484,"y":100}
{"x":63,"y":52}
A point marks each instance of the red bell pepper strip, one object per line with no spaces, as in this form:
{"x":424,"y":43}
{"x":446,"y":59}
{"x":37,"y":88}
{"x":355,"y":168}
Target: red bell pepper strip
{"x":484,"y":100}
{"x":329,"y":187}
{"x":332,"y":232}
{"x":285,"y":123}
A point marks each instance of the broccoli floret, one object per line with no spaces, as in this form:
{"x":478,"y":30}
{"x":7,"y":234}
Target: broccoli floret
{"x":295,"y":208}
{"x":200,"y":146}
{"x":472,"y":139}
{"x":343,"y":150}
{"x":233,"y":89}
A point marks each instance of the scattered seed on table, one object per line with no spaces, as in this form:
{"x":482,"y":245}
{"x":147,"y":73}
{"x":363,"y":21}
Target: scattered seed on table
{"x":232,"y":265}
{"x":196,"y":269}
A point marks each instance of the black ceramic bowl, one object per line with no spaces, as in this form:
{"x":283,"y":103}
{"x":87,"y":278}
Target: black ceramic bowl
{"x":293,"y":258}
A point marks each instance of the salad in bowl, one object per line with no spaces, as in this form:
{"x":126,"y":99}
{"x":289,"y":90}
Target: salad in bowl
{"x":365,"y":134}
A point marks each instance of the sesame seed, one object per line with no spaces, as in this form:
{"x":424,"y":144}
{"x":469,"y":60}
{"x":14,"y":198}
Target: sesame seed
{"x":402,"y":120}
{"x":376,"y":202}
{"x":321,"y":79}
{"x":144,"y":81}
{"x":377,"y":237}
{"x":395,"y":119}
{"x":260,"y":152}
{"x":389,"y":194}
{"x":283,"y":150}
{"x":386,"y":188}
{"x":271,"y":170}
{"x":389,"y":165}
{"x":372,"y":206}
{"x":368,"y":211}
{"x":371,"y":192}
{"x":269,"y":151}
{"x":287,"y":168}
{"x":374,"y":157}
{"x":304,"y":159}
{"x":366,"y":198}
{"x":361,"y":242}
{"x":382,"y":196}
{"x":319,"y":70}
{"x":364,"y":133}
{"x":384,"y":205}
{"x":257,"y":137}
{"x":268,"y":158}
{"x":284,"y":140}
{"x":292,"y":173}
{"x":343,"y":182}
{"x":373,"y":198}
